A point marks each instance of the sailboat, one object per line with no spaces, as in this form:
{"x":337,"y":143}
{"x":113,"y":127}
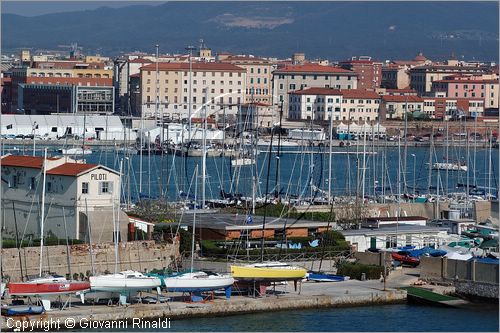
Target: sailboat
{"x":195,"y":282}
{"x":267,"y":271}
{"x":45,"y":286}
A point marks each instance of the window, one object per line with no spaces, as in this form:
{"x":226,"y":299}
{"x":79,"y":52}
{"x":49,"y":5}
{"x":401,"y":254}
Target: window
{"x":49,"y":186}
{"x":105,"y":187}
{"x":14,"y":181}
{"x":85,"y":188}
{"x":33,"y":183}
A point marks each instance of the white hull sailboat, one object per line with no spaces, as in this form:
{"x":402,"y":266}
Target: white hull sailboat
{"x":449,"y":166}
{"x":198,"y":282}
{"x":123,"y":282}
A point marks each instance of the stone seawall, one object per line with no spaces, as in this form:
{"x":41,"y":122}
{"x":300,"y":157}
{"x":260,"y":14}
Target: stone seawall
{"x":138,"y":255}
{"x":476,"y":289}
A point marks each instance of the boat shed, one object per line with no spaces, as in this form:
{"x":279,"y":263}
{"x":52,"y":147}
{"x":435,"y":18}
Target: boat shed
{"x":213,"y":226}
{"x":52,"y":127}
{"x":391,"y":235}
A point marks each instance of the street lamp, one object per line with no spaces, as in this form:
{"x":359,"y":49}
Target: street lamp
{"x":414,"y":172}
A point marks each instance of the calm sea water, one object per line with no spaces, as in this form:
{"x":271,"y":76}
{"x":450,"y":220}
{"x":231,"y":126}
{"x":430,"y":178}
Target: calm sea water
{"x":386,"y":318}
{"x":297,"y":172}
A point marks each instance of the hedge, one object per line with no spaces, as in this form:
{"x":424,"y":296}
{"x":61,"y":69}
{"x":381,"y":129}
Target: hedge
{"x":354,"y":270}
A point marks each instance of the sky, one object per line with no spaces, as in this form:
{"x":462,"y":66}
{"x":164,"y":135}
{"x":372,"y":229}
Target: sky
{"x":39,"y":7}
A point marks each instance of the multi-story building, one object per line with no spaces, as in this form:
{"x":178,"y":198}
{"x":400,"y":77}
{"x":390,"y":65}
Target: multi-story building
{"x":181,"y":85}
{"x":369,"y":71}
{"x":395,"y":76}
{"x":395,"y":106}
{"x":421,"y":78}
{"x":320,"y":103}
{"x":78,"y":198}
{"x":469,"y":87}
{"x":259,"y":78}
{"x":298,"y":77}
{"x":60,"y":73}
{"x":446,"y":107}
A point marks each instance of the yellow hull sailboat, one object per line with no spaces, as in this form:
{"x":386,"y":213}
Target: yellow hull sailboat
{"x":268,"y":272}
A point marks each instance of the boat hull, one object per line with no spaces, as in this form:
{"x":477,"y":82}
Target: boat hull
{"x":22,"y":310}
{"x":267,"y":273}
{"x":51,"y":288}
{"x":120,"y":285}
{"x":183,"y":283}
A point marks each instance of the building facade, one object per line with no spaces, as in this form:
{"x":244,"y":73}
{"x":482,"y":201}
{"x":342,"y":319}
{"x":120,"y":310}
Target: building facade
{"x":182,"y":86}
{"x":259,"y":79}
{"x":395,"y":106}
{"x":81,"y":200}
{"x":469,"y":87}
{"x":369,"y":71}
{"x":320,"y":104}
{"x":298,"y":77}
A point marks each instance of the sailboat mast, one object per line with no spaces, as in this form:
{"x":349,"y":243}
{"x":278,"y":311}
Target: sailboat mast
{"x":42,"y":209}
{"x":330,"y":160}
{"x":194,"y":215}
{"x":204,"y":150}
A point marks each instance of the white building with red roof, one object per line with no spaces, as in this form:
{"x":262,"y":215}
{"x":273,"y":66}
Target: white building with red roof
{"x":80,"y":199}
{"x":341,"y":104}
{"x":298,"y":77}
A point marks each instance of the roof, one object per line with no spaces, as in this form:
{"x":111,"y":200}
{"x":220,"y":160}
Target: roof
{"x":401,"y":218}
{"x":34,"y":162}
{"x":401,"y":90}
{"x":393,"y":229}
{"x":71,"y":169}
{"x":245,"y":59}
{"x":346,"y":93}
{"x":140,"y":61}
{"x":197,"y":66}
{"x":82,"y":81}
{"x":313,"y":68}
{"x":400,"y":98}
{"x":462,"y":81}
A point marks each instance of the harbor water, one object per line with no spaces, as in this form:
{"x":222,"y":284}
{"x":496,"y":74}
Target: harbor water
{"x":383,"y":318}
{"x":299,"y":174}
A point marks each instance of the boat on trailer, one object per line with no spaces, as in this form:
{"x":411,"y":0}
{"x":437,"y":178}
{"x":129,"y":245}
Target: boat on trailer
{"x":268,"y":271}
{"x":199,"y":282}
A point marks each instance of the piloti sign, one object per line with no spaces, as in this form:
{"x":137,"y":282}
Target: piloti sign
{"x":99,"y":176}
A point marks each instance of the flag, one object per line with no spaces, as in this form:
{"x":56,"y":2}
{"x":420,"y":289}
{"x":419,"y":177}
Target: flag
{"x":249,"y":219}
{"x":9,"y":126}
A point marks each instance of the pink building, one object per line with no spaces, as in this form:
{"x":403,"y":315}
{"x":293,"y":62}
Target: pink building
{"x":469,"y":87}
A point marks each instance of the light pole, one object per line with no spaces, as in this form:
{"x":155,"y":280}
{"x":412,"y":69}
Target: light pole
{"x":414,"y":172}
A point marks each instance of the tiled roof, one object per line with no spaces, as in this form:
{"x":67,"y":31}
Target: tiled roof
{"x":401,"y":91}
{"x":467,"y":81}
{"x":34,"y":162}
{"x":140,"y":61}
{"x":346,"y":93}
{"x":71,"y":169}
{"x":313,"y":68}
{"x":398,"y":98}
{"x":196,"y":66}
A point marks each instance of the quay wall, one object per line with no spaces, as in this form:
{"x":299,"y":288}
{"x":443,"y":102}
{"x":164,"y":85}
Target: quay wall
{"x":137,"y":255}
{"x":219,"y":308}
{"x":477,"y":289}
{"x":369,"y":258}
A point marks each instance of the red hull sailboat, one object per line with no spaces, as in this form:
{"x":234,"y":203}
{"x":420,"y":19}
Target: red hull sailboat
{"x":47,"y":286}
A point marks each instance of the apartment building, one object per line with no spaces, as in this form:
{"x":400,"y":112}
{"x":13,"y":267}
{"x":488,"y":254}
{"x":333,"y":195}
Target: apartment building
{"x":181,"y":86}
{"x":369,"y":71}
{"x":395,"y":106}
{"x":259,"y":78}
{"x":320,"y":104}
{"x":446,"y":107}
{"x":469,"y":87}
{"x":421,"y":78}
{"x":299,"y":77}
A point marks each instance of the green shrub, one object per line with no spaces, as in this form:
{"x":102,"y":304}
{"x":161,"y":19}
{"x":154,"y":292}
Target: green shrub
{"x":354,"y":271}
{"x":49,"y":241}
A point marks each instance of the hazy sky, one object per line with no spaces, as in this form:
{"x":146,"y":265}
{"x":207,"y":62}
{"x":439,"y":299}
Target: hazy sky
{"x":39,"y":7}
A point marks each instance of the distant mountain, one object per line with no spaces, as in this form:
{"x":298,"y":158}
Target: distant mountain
{"x":333,"y":30}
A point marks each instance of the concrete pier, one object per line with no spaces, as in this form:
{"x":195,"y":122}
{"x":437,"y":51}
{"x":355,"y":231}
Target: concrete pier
{"x":310,"y":295}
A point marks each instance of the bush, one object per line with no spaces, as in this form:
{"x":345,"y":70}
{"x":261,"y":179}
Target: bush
{"x":49,"y":241}
{"x":355,"y":270}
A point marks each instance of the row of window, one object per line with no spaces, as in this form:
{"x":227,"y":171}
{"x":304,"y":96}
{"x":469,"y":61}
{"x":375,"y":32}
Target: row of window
{"x":204,"y":74}
{"x":79,"y":75}
{"x":104,"y":186}
{"x":315,"y":77}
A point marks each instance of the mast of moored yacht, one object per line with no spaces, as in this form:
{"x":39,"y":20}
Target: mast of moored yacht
{"x":42,"y":208}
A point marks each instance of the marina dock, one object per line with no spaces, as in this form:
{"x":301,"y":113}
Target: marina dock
{"x":310,"y":295}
